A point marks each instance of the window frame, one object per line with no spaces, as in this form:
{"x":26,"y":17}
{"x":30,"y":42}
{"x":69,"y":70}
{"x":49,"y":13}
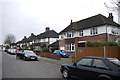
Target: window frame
{"x":70,"y":47}
{"x":78,"y":65}
{"x":94,"y":31}
{"x":81,"y":33}
{"x":99,"y":67}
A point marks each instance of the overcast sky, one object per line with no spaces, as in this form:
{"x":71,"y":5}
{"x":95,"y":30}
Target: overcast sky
{"x":23,"y":17}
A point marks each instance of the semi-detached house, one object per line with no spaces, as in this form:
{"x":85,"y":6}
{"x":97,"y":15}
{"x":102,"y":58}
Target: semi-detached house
{"x":45,"y":39}
{"x":96,"y":28}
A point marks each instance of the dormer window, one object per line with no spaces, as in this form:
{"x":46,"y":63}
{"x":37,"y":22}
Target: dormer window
{"x":93,"y":31}
{"x":81,"y":33}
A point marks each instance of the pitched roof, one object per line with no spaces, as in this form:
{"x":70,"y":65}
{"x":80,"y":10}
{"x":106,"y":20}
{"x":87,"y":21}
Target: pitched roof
{"x":32,"y":37}
{"x":93,"y":21}
{"x":55,"y":44}
{"x":48,"y":34}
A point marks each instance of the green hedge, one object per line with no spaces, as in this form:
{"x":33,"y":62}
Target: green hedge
{"x":98,"y":44}
{"x":45,"y":49}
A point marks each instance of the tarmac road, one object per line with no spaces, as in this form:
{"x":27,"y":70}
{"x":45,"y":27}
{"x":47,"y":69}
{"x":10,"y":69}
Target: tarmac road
{"x":16,"y":68}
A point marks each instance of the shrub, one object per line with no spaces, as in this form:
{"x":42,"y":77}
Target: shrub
{"x":52,"y":49}
{"x":93,"y":44}
{"x":45,"y":49}
{"x":98,"y":44}
{"x":110,"y":44}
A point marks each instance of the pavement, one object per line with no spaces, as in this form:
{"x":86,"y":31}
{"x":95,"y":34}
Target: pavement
{"x":57,"y":62}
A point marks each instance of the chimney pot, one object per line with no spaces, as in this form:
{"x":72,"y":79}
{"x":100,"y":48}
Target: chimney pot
{"x":47,"y":28}
{"x":110,"y":17}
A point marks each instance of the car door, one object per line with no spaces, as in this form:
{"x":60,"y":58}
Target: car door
{"x":99,"y":68}
{"x":82,"y":69}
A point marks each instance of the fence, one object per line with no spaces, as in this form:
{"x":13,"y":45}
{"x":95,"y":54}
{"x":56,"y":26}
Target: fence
{"x":113,"y":52}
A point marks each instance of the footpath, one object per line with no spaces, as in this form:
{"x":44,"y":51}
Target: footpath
{"x":57,"y":62}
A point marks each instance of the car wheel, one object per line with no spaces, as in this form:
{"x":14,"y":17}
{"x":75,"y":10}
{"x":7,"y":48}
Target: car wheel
{"x":65,"y":74}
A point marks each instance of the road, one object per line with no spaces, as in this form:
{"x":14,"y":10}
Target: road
{"x":16,"y":68}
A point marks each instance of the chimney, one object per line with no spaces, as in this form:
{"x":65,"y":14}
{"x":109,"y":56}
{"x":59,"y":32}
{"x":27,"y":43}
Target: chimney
{"x":71,"y":22}
{"x":47,"y":28}
{"x":32,"y":34}
{"x":25,"y":37}
{"x":110,"y":17}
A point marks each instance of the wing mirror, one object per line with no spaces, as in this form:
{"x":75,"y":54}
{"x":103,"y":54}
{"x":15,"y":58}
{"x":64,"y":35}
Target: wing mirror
{"x":74,"y":64}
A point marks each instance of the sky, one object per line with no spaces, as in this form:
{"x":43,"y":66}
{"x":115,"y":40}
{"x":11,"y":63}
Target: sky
{"x":23,"y":17}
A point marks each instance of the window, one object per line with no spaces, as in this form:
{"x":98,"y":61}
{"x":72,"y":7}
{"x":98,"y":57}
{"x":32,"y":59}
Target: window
{"x":114,"y":30}
{"x":70,"y":47}
{"x":93,"y":31}
{"x":70,"y":34}
{"x":81,"y":33}
{"x":84,"y":62}
{"x":99,"y":64}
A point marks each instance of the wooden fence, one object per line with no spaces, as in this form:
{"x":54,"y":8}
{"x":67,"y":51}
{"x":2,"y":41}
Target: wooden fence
{"x":113,"y":52}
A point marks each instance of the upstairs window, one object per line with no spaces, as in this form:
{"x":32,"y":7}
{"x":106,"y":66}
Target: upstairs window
{"x":93,"y":31}
{"x":81,"y":33}
{"x":114,"y":30}
{"x":70,"y":34}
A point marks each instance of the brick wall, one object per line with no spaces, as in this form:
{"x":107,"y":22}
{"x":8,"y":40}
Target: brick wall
{"x":61,"y":43}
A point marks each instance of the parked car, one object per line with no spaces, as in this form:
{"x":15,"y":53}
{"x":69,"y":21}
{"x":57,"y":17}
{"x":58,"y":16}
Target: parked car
{"x":93,"y":68}
{"x":13,"y":51}
{"x":62,"y":53}
{"x":26,"y":55}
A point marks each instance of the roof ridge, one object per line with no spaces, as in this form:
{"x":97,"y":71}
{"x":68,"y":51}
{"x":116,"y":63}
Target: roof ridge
{"x":101,"y":16}
{"x":88,"y":18}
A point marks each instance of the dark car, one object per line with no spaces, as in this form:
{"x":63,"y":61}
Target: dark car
{"x":93,"y":68}
{"x":62,"y":53}
{"x":26,"y":55}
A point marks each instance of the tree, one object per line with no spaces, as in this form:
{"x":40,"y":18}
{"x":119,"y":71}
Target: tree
{"x":114,"y":6}
{"x":9,"y":39}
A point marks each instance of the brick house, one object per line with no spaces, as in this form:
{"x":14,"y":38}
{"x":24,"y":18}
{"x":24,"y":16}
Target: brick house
{"x":96,"y":28}
{"x":45,"y":39}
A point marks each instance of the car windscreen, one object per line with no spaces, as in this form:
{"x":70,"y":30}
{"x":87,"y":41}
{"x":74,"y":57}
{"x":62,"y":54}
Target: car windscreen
{"x":57,"y":51}
{"x":115,"y":61}
{"x":29,"y":52}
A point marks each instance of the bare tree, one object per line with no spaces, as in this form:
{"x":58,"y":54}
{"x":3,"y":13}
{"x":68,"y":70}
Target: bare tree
{"x":10,"y":38}
{"x":114,"y":6}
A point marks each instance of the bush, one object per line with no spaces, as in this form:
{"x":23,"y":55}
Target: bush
{"x":110,"y":44}
{"x":52,"y":49}
{"x":7,"y":47}
{"x":45,"y":49}
{"x":98,"y":44}
{"x":93,"y":44}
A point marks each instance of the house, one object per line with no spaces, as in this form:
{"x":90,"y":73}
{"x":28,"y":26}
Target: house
{"x":24,"y":43}
{"x":31,"y":40}
{"x":54,"y":46}
{"x":45,"y":39}
{"x":96,"y":28}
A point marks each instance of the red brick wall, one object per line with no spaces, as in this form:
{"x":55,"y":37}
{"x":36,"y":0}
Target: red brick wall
{"x":100,"y":37}
{"x":61,"y":43}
